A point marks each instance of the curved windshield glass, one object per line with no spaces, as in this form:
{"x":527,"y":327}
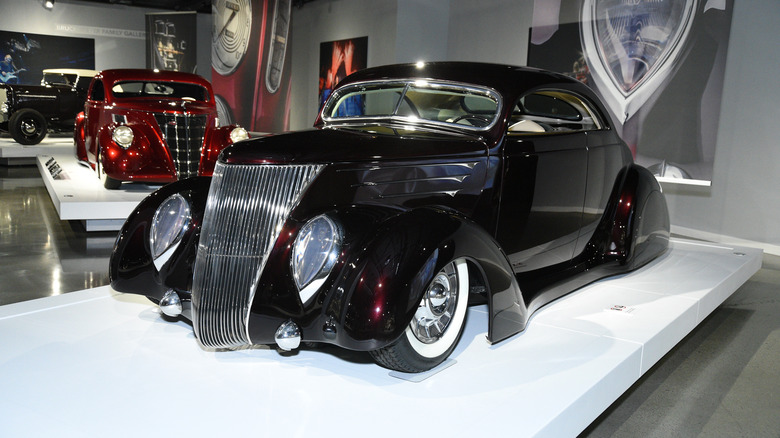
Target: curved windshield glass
{"x":159,"y":89}
{"x":418,"y":101}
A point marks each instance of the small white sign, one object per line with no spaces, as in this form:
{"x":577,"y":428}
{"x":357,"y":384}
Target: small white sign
{"x":621,"y":308}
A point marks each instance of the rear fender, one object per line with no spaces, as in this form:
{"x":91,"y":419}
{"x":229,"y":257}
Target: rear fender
{"x":637,"y":219}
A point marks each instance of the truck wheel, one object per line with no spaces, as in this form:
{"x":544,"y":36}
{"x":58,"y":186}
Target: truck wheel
{"x":436,"y":326}
{"x":27,"y":126}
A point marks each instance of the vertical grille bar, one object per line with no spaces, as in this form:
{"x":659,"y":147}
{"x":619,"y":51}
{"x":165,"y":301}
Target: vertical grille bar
{"x":183,"y":134}
{"x":246,"y":208}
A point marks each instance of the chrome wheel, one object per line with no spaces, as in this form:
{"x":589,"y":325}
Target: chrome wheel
{"x":436,"y":326}
{"x":437,"y":307}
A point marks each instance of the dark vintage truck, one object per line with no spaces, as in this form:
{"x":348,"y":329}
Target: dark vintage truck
{"x":29,"y":112}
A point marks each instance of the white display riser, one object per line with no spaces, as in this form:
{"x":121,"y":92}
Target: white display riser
{"x":98,"y":363}
{"x":15,"y":154}
{"x":78,"y":195}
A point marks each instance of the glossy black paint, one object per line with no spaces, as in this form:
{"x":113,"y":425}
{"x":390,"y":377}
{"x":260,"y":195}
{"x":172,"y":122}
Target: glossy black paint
{"x":536,"y":216}
{"x":131,"y":268}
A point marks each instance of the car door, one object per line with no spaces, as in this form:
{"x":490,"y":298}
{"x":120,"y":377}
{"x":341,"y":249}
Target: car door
{"x":544,"y":179}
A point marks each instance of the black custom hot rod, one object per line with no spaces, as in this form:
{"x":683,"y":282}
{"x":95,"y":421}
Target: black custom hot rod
{"x":419,"y":187}
{"x":29,"y":112}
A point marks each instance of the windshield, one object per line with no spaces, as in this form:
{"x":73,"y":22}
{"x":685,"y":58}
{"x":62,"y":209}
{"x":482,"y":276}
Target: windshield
{"x":158,"y":89}
{"x":58,"y":78}
{"x":464,"y":106}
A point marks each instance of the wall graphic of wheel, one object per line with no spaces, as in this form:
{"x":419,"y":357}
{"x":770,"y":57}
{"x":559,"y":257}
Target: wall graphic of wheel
{"x":436,"y":326}
{"x":27,"y":126}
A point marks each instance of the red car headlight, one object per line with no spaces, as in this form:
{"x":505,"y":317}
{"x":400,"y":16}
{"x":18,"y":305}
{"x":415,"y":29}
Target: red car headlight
{"x":238,"y":134}
{"x":123,"y":136}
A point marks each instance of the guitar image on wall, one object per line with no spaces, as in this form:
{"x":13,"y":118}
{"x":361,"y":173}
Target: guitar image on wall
{"x":8,"y":71}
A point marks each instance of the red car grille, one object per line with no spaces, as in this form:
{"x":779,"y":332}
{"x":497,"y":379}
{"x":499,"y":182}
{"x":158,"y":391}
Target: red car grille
{"x":183,"y":134}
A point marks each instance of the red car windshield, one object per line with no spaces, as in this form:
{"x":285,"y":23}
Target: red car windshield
{"x":159,"y":89}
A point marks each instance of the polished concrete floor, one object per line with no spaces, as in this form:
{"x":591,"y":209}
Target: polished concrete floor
{"x":723,"y":380}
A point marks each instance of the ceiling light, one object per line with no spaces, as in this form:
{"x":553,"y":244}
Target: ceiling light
{"x":48,"y":4}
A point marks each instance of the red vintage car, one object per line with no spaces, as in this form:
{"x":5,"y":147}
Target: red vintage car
{"x":154,"y":127}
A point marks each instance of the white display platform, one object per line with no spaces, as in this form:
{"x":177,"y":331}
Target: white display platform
{"x":78,"y":194}
{"x":13,"y":153}
{"x":98,"y":363}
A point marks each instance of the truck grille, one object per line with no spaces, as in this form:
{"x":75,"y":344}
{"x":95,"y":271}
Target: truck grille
{"x":246,"y":208}
{"x":183,"y":133}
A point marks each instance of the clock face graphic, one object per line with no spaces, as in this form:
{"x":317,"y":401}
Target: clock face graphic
{"x":230,"y":35}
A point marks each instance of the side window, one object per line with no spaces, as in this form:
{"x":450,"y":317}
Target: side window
{"x":553,"y":111}
{"x":96,"y":92}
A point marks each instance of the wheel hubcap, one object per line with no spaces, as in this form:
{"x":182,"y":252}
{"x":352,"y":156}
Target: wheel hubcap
{"x":28,"y":127}
{"x":437,"y":306}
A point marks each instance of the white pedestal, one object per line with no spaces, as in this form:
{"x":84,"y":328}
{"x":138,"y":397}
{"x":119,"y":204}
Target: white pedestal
{"x":13,"y":153}
{"x":78,"y":194}
{"x":98,"y":363}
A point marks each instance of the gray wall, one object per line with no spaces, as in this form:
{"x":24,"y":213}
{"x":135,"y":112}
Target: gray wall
{"x":333,"y":20}
{"x":119,"y":31}
{"x":743,"y":204}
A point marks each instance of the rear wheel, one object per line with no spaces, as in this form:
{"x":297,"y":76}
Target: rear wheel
{"x":27,"y":126}
{"x":436,"y":326}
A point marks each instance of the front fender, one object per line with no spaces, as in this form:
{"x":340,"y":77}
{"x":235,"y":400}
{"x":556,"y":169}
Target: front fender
{"x":384,"y":283}
{"x":79,"y":139}
{"x":216,"y":140}
{"x":132,"y":268}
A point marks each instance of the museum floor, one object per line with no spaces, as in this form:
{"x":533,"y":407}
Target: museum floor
{"x":721,"y":380}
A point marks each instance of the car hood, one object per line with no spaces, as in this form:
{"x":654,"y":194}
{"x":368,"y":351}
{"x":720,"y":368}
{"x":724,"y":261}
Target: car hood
{"x":353,"y":144}
{"x":34,"y":91}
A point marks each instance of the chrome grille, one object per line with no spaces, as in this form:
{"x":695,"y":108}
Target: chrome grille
{"x":246,"y":208}
{"x":183,"y":133}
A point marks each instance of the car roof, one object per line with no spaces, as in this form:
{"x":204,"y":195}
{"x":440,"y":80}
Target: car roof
{"x":506,"y":79}
{"x":71,"y":71}
{"x":113,"y":75}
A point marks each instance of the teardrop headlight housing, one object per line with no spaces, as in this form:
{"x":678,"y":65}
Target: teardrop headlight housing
{"x":314,"y":254}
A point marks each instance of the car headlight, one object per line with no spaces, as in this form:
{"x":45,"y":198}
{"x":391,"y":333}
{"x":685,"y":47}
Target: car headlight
{"x":168,"y":225}
{"x":123,"y":136}
{"x":238,"y":134}
{"x":315,"y":252}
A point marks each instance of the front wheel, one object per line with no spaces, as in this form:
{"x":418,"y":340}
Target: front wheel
{"x":436,"y":326}
{"x":27,"y":126}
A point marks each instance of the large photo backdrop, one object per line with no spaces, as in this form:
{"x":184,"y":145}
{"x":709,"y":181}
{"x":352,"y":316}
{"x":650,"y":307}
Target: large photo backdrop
{"x":250,"y":63}
{"x":658,"y":64}
{"x":23,"y":56}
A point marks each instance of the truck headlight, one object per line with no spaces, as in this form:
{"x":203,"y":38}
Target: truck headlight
{"x":315,"y":252}
{"x":168,"y":225}
{"x":123,"y":136}
{"x":238,"y":134}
